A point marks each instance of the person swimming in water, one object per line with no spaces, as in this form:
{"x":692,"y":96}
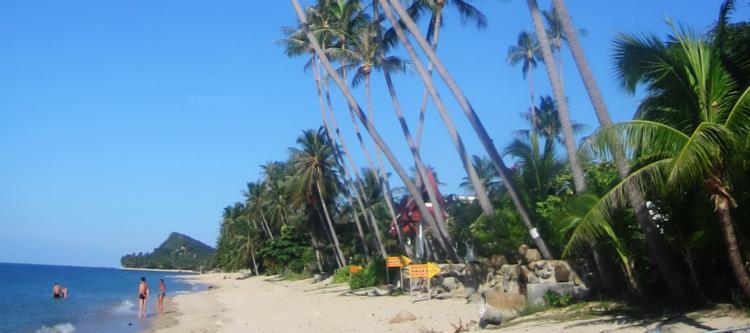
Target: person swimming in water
{"x":56,"y":290}
{"x":162,"y":294}
{"x":64,"y":292}
{"x":142,"y":297}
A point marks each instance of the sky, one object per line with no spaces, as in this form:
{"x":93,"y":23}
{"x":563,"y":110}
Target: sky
{"x":122,"y":121}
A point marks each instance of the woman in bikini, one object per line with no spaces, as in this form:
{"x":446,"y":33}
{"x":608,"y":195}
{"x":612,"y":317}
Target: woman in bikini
{"x":162,"y":294}
{"x":142,"y":297}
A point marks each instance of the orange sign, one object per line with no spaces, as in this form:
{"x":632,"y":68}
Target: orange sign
{"x":418,"y":271}
{"x":355,"y":269}
{"x":394,"y":262}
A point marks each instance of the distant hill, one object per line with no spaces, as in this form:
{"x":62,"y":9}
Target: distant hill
{"x":177,"y":252}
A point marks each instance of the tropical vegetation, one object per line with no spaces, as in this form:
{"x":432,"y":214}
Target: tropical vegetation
{"x":653,"y":206}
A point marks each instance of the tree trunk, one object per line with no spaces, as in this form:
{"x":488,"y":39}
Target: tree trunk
{"x":470,"y":114}
{"x":531,"y":94}
{"x":667,"y":266}
{"x":252,"y":255}
{"x":722,"y":204}
{"x":363,"y":118}
{"x":265,"y":223}
{"x":330,"y":225}
{"x":369,"y":219}
{"x":463,"y":154}
{"x":421,"y":168}
{"x":423,"y":109}
{"x":562,"y":104}
{"x":340,"y":161}
{"x":383,"y":179}
{"x":318,"y":259}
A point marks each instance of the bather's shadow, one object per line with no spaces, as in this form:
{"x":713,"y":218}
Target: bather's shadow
{"x":628,"y":320}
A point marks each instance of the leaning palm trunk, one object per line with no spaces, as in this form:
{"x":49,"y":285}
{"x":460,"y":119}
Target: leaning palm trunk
{"x":470,"y":113}
{"x":370,"y":218}
{"x":265,"y":222}
{"x":421,"y":168}
{"x":463,"y":154}
{"x":252,"y":256}
{"x":335,"y":237}
{"x":318,"y":259}
{"x":370,"y":129}
{"x":562,"y":105}
{"x":666,"y":266}
{"x":723,"y":202}
{"x":423,"y":109}
{"x":340,"y":160}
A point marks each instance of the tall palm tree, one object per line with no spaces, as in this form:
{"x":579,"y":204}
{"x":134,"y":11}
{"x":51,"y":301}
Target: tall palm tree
{"x":691,"y":128}
{"x":370,"y":129}
{"x":562,"y":104}
{"x":465,"y":106}
{"x":526,"y":52}
{"x":557,"y":37}
{"x":314,"y":179}
{"x":254,"y":202}
{"x":666,"y":266}
{"x":435,"y":8}
{"x":296,"y":44}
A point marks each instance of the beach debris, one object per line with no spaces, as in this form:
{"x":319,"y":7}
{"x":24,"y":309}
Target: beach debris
{"x":460,"y":327}
{"x":402,"y":316}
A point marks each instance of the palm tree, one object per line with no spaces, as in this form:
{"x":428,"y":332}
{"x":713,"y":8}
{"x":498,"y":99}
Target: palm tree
{"x":526,"y":52}
{"x":435,"y":8}
{"x":635,"y":199}
{"x":562,"y":105}
{"x":690,"y":129}
{"x":465,"y":106}
{"x":247,"y":242}
{"x":254,"y":202}
{"x":297,"y":44}
{"x":370,"y":129}
{"x":314,"y":179}
{"x":487,"y":174}
{"x":557,"y":37}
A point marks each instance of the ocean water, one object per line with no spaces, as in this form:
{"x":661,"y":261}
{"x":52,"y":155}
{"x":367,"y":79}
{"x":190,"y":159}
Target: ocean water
{"x":99,"y":299}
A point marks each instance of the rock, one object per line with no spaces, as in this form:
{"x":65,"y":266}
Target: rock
{"x":402,"y":316}
{"x":489,"y":315}
{"x":532,"y":255}
{"x":522,"y":249}
{"x":450,"y":284}
{"x":502,"y":300}
{"x":562,"y":272}
{"x":535,"y":292}
{"x":497,"y":261}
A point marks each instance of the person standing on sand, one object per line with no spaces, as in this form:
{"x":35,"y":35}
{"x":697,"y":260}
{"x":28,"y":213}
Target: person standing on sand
{"x":162,"y":294}
{"x":142,"y":297}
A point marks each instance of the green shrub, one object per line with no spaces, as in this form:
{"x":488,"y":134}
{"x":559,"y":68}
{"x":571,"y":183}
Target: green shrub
{"x":371,"y":276}
{"x":341,"y":275}
{"x":555,"y":300}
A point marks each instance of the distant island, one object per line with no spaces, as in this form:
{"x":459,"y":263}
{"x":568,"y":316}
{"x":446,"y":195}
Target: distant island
{"x":177,"y":252}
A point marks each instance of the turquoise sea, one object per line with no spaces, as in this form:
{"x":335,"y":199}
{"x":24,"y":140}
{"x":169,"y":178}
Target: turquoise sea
{"x":99,"y":299}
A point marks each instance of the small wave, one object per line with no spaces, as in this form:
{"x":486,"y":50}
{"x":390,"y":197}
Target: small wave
{"x":59,"y":328}
{"x":125,"y":307}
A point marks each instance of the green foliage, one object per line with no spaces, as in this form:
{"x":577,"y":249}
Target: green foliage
{"x":341,"y":275}
{"x":285,"y":251}
{"x":555,"y":300}
{"x":503,"y":234}
{"x":371,"y":276}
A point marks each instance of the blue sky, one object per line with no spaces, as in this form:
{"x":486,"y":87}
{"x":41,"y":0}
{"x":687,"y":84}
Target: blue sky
{"x":121,"y":121}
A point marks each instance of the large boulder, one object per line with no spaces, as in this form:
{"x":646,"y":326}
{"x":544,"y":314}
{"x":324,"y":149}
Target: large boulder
{"x":502,"y":300}
{"x":498,"y":307}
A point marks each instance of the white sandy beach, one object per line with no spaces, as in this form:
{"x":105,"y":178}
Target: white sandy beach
{"x":262,"y":304}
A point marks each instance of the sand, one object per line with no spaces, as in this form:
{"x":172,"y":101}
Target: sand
{"x":263,"y":304}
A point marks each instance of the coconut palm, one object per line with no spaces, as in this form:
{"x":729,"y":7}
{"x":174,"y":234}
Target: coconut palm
{"x":557,"y":37}
{"x":254,"y":203}
{"x":296,"y":44}
{"x":656,"y":247}
{"x":465,"y":106}
{"x":370,"y":129}
{"x":690,"y":129}
{"x":562,"y":105}
{"x":467,"y":12}
{"x":525,"y":52}
{"x":314,"y":181}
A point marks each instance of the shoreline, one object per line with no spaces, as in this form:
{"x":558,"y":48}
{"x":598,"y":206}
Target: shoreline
{"x":269,"y":304}
{"x":157,"y":270}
